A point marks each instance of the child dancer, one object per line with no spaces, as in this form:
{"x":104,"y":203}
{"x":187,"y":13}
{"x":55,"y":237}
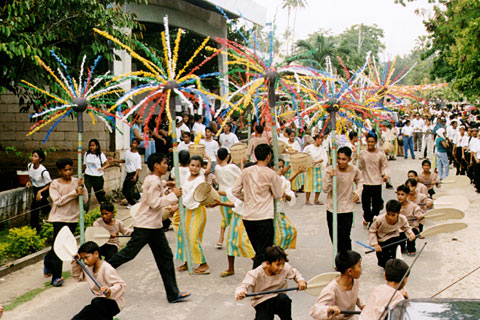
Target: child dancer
{"x":112,"y":225}
{"x":64,"y":192}
{"x":380,"y":296}
{"x":285,"y":231}
{"x":195,"y":218}
{"x":421,"y":188}
{"x":109,"y":299}
{"x":95,"y":164}
{"x":386,"y":230}
{"x":342,"y":292}
{"x":272,"y":274}
{"x":428,"y":178}
{"x":40,"y":180}
{"x":148,"y":228}
{"x":347,"y":176}
{"x":410,"y":210}
{"x":313,"y":179}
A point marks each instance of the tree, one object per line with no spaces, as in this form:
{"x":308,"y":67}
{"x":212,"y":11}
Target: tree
{"x":34,"y":27}
{"x":455,"y":31}
{"x":292,"y":4}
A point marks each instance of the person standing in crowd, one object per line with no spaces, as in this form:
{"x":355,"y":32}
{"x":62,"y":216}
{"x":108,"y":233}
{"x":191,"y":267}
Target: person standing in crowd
{"x":257,"y":139}
{"x":458,"y":151}
{"x":451,"y":135}
{"x":407,"y":133}
{"x":313,"y":179}
{"x":227,"y":138}
{"x":442,"y":156}
{"x":145,"y":143}
{"x":427,"y":140}
{"x":95,"y":163}
{"x":187,"y":140}
{"x":211,"y":146}
{"x":40,"y":183}
{"x":375,"y":171}
{"x":198,"y":126}
{"x":417,"y":125}
{"x":475,"y":155}
{"x":468,"y":155}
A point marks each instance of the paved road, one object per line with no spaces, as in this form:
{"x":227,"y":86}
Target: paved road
{"x":443,"y":261}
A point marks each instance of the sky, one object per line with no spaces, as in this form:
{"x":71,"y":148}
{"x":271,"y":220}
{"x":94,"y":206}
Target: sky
{"x":400,"y":24}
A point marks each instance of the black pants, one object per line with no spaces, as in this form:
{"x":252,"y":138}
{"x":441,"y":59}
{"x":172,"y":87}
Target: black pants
{"x":408,"y":246}
{"x":344,"y":227}
{"x":459,"y":162}
{"x":108,"y":250}
{"x":162,"y":253}
{"x":98,"y":309}
{"x":52,"y":263}
{"x":128,"y":187}
{"x":387,"y":253}
{"x":97,"y":184}
{"x":42,"y":206}
{"x":476,"y":175}
{"x":372,"y":201}
{"x":280,"y":305}
{"x":260,"y":233}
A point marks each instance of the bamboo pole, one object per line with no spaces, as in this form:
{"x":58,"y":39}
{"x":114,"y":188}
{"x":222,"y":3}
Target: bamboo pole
{"x":332,"y":109}
{"x":181,"y":209}
{"x":80,"y":107}
{"x":249,"y":119}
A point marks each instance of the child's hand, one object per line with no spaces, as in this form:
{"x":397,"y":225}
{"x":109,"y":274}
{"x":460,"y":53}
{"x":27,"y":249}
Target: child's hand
{"x":28,"y":184}
{"x":39,"y":196}
{"x":332,"y":172}
{"x":378,"y":248}
{"x":240,"y":296}
{"x":79,"y":190}
{"x":134,"y":179}
{"x":412,"y":237}
{"x":113,"y":235}
{"x":286,"y":197}
{"x":333,"y":311}
{"x":355,"y":197}
{"x":171,"y":184}
{"x":302,"y":285}
{"x":81,"y":182}
{"x":214,"y":203}
{"x":106,"y":291}
{"x":178,"y":191}
{"x":75,"y":257}
{"x":385,"y":178}
{"x":404,"y":293}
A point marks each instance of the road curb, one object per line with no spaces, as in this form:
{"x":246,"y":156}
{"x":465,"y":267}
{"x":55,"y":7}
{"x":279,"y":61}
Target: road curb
{"x":24,"y":262}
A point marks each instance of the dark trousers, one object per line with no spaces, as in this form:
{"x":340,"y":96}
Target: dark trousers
{"x":344,"y":226}
{"x":408,"y":245}
{"x":97,"y":184}
{"x":460,"y":163}
{"x":52,"y":263}
{"x":280,"y":305}
{"x":408,"y":145}
{"x":42,"y":206}
{"x":128,"y":187}
{"x":417,"y":141}
{"x":98,"y":309}
{"x":476,"y":175}
{"x":372,"y":201}
{"x":469,"y":165}
{"x":387,"y":253}
{"x":260,"y":233}
{"x":108,"y":250}
{"x":162,"y":253}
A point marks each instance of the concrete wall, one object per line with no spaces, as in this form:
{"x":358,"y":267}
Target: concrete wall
{"x":13,"y":204}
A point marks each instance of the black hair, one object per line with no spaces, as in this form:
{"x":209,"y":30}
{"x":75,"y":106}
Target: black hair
{"x":209,"y":129}
{"x":222,"y":153}
{"x":40,"y":154}
{"x":188,"y":134}
{"x":412,"y":182}
{"x":372,"y":135}
{"x":275,"y":253}
{"x":346,"y":151}
{"x":153,"y":159}
{"x":262,"y":151}
{"x":136,"y":139}
{"x":289,"y":131}
{"x":407,"y":122}
{"x":426,"y":161}
{"x":346,"y":260}
{"x":107,"y":205}
{"x":414,"y":172}
{"x":196,"y":158}
{"x":62,"y":163}
{"x":98,"y":152}
{"x":89,"y":247}
{"x":352,"y":135}
{"x":228,"y":125}
{"x":393,"y":206}
{"x":197,"y":117}
{"x":259,"y":128}
{"x":403,"y":188}
{"x":395,"y":270}
{"x":184,"y":157}
{"x":318,"y":135}
{"x":249,"y":164}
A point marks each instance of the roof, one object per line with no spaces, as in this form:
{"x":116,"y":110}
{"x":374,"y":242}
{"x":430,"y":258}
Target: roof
{"x":248,"y":9}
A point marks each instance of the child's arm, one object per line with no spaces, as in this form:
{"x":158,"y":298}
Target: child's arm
{"x":209,"y":164}
{"x":295,"y":275}
{"x":237,"y":190}
{"x":60,"y":200}
{"x":155,"y":199}
{"x":77,"y":272}
{"x":300,"y":170}
{"x":325,"y":305}
{"x":407,"y":230}
{"x":248,"y":282}
{"x":123,"y":230}
{"x":373,"y":237}
{"x":359,"y":184}
{"x":327,"y":181}
{"x":116,"y":285}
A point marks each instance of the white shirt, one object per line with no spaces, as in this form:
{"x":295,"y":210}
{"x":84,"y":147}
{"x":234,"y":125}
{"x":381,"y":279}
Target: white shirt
{"x":227,"y":176}
{"x":211,"y":148}
{"x":228,"y":140}
{"x":198,"y":127}
{"x":418,"y":125}
{"x":317,"y":153}
{"x":452,"y":133}
{"x":183,"y":146}
{"x":39,"y":177}
{"x":133,"y":161}
{"x":464,"y":141}
{"x":474,"y":145}
{"x":188,"y":188}
{"x":93,"y":163}
{"x":179,"y":130}
{"x":407,"y":131}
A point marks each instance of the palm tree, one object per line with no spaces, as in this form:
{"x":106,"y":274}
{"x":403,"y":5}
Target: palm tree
{"x":289,"y":5}
{"x":298,"y":4}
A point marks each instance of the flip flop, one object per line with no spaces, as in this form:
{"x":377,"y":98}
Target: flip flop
{"x":225,"y":274}
{"x":181,"y":296}
{"x":219,"y":245}
{"x":183,"y":267}
{"x":201,"y":272}
{"x":46,"y":272}
{"x":318,"y":203}
{"x":58,"y":282}
{"x":308,"y":204}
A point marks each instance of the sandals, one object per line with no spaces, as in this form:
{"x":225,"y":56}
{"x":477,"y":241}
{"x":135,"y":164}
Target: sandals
{"x":181,"y":296}
{"x":183,"y":267}
{"x":318,"y":203}
{"x":308,"y":204}
{"x":227,"y":273}
{"x":219,"y":245}
{"x":411,"y":254}
{"x":201,"y":272}
{"x":58,"y":282}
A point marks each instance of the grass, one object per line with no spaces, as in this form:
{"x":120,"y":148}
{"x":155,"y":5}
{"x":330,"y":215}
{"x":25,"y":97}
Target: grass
{"x":32,"y":293}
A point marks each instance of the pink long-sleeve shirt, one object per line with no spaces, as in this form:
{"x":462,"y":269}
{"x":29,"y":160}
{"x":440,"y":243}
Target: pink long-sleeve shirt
{"x":381,"y":230}
{"x":377,"y":301}
{"x":373,"y":166}
{"x":65,"y":201}
{"x":345,"y":181}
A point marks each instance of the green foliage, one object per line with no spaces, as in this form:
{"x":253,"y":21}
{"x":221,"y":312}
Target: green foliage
{"x":24,"y":241}
{"x":3,"y":251}
{"x":29,"y":28}
{"x":454,"y":31}
{"x":90,"y":217}
{"x":46,"y":232}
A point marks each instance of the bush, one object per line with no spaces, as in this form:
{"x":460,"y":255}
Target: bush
{"x":46,"y":232}
{"x":3,"y":252}
{"x":89,"y":218}
{"x":24,"y":241}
